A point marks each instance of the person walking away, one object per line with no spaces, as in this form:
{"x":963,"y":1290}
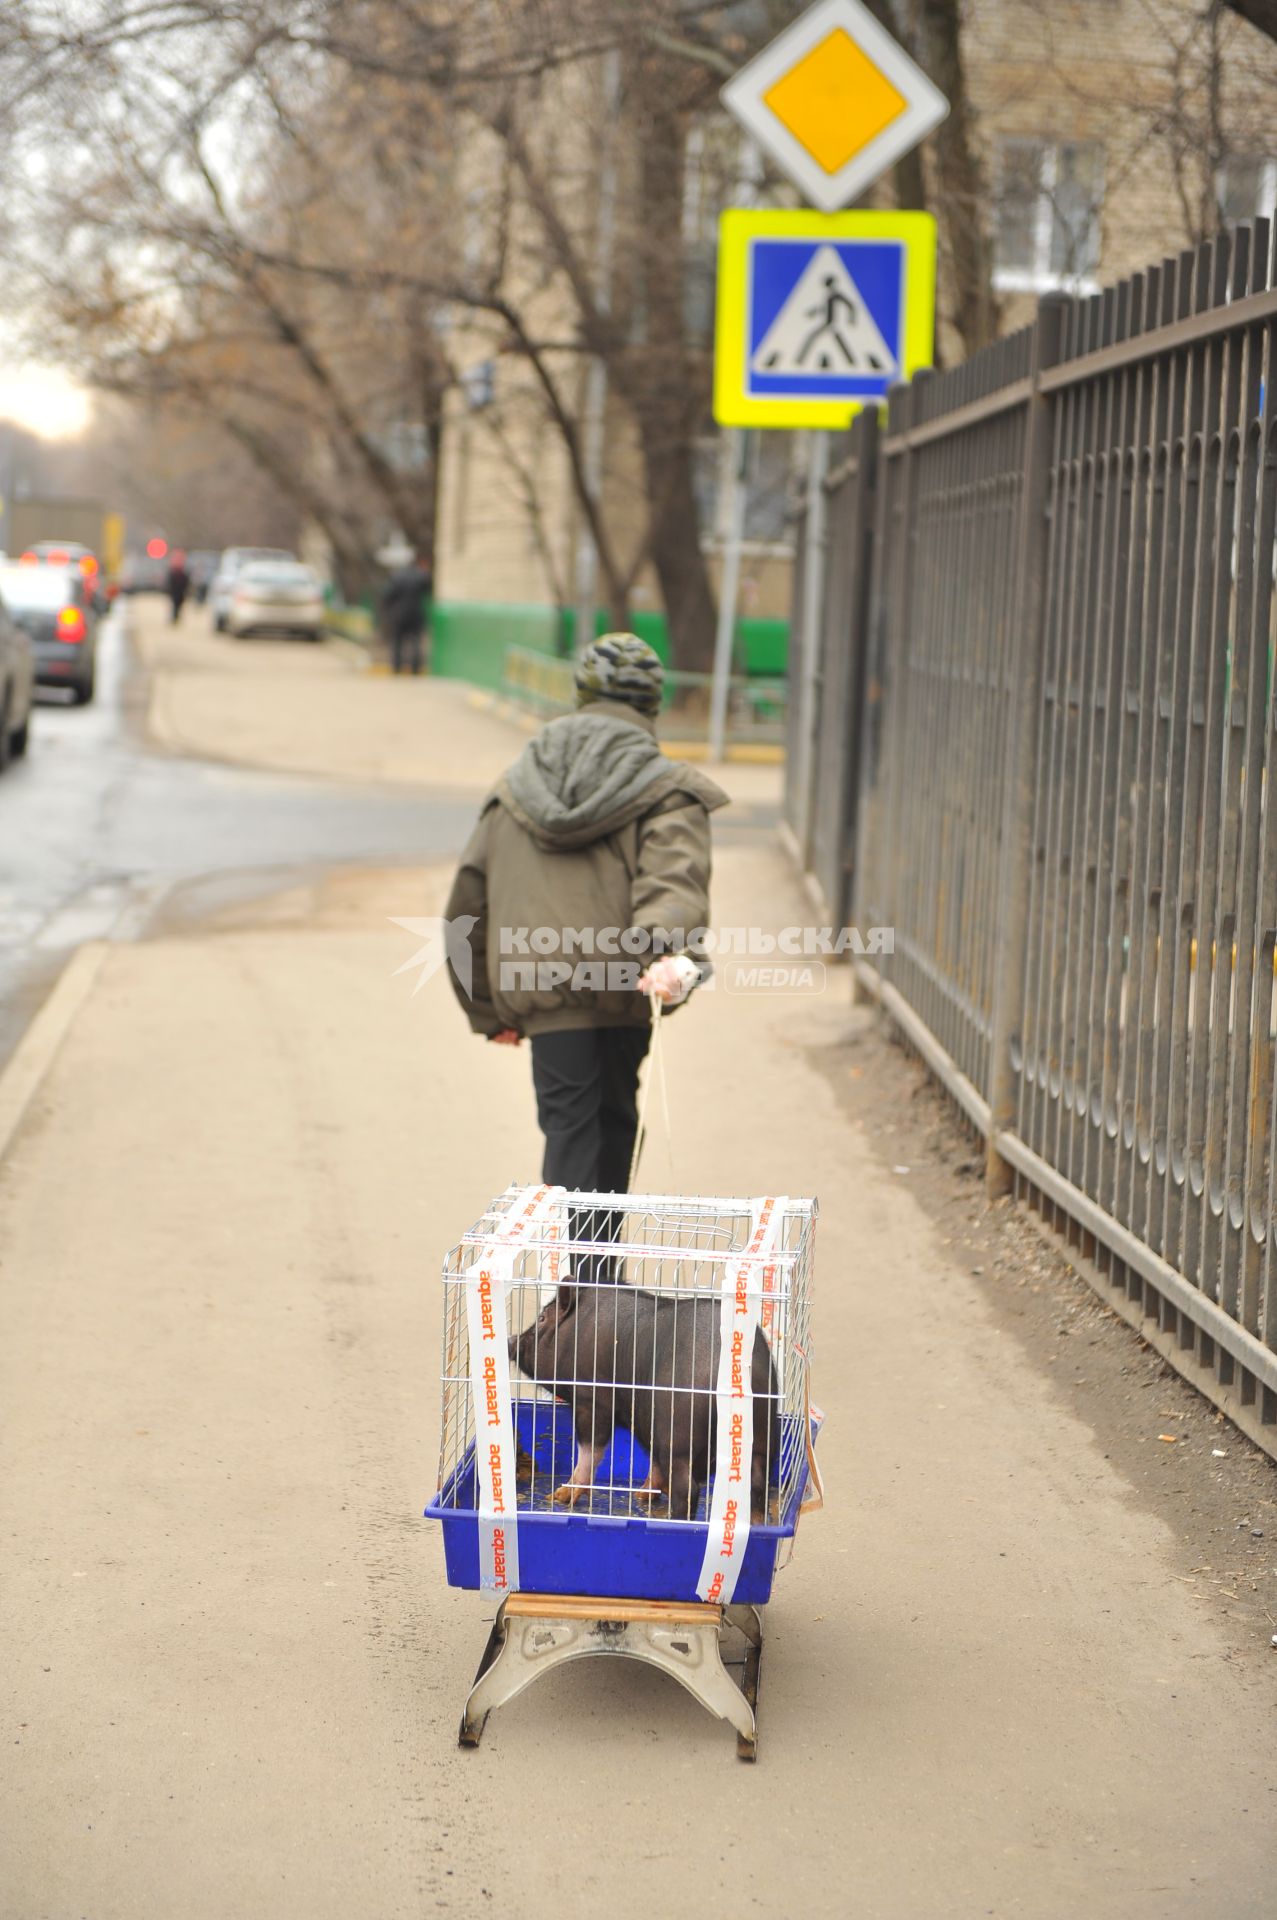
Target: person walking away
{"x":582,"y":885}
{"x":406,"y":612}
{"x":179,"y":584}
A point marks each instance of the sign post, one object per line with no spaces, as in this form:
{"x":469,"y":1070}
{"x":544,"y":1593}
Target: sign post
{"x":728,"y":594}
{"x":819,"y":314}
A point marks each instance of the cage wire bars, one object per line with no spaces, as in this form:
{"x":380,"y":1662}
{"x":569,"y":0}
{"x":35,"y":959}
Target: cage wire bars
{"x":612,"y":1318}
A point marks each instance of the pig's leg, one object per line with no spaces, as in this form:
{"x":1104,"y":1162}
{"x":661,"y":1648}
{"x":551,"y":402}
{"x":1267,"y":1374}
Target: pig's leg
{"x":758,"y":1484}
{"x":684,"y":1493}
{"x":762,"y":1464}
{"x":596,"y":1417}
{"x":652,"y":1488}
{"x":582,"y":1477}
{"x":764,"y":1468}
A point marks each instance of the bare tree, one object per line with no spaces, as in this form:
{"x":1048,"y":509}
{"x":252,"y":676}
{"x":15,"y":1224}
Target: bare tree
{"x":312,"y":209}
{"x":503,"y":69}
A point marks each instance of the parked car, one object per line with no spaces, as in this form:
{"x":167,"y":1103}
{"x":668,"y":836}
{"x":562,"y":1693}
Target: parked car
{"x":229,"y":568}
{"x":55,"y":607}
{"x":17,"y":684}
{"x":73,"y":553}
{"x":279,"y":594}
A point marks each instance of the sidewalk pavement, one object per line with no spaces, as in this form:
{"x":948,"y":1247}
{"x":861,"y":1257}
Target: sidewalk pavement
{"x":236,"y":1670}
{"x":309,"y":709}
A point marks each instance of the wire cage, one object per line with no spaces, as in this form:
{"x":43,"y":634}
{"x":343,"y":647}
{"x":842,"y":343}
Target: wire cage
{"x":626,"y":1407}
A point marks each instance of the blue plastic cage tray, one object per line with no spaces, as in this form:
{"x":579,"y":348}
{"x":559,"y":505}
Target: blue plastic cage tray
{"x":608,"y":1544}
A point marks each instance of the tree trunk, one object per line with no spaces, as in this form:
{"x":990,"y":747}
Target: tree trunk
{"x":963,"y":196}
{"x":666,"y":384}
{"x":674,"y":541}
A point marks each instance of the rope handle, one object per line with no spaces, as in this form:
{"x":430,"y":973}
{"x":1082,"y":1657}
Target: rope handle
{"x":814,"y":1498}
{"x":655,"y":1070}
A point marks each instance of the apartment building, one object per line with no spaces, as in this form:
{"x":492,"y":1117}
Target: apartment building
{"x":1110,"y":133}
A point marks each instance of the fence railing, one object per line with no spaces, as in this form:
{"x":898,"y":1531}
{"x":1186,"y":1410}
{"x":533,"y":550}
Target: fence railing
{"x":1050,"y":772}
{"x":542,"y":683}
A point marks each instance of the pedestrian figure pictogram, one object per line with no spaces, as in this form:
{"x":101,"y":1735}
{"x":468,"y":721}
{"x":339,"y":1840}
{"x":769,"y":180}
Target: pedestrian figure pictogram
{"x":828,"y":324}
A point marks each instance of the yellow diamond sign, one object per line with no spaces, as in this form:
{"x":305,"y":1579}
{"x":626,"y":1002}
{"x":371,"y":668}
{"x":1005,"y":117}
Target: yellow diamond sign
{"x":835,"y":101}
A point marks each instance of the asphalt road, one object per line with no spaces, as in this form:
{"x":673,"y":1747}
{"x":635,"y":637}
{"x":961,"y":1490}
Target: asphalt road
{"x":101,"y":836}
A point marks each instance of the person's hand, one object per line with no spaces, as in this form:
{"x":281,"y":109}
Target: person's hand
{"x":670,"y":979}
{"x":507,"y":1037}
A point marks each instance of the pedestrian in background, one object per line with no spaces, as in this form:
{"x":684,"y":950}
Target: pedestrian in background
{"x":591,"y":830}
{"x":405,"y":611}
{"x":179,"y":583}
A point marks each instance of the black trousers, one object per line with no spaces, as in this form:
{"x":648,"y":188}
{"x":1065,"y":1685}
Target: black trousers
{"x":586,"y":1083}
{"x":406,"y":650}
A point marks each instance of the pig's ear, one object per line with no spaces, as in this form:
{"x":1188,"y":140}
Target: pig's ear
{"x":567,"y":1296}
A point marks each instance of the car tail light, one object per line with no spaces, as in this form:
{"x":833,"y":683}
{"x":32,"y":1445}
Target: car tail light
{"x":71,"y":625}
{"x":29,"y":560}
{"x":88,"y":565}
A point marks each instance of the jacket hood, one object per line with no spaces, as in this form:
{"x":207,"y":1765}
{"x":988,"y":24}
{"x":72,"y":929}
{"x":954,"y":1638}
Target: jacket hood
{"x":588,"y":773}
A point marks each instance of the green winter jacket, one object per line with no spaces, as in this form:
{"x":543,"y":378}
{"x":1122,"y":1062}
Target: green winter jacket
{"x":590,"y":856}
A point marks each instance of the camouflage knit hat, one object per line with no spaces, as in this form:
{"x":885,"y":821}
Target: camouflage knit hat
{"x":620,"y":666}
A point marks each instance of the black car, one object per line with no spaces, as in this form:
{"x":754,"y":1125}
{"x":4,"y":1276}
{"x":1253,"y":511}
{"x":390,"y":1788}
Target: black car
{"x":55,"y":605}
{"x":17,"y":677}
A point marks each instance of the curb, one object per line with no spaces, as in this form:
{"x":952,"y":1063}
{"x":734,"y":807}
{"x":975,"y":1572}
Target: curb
{"x":349,"y":650}
{"x":38,"y":1049}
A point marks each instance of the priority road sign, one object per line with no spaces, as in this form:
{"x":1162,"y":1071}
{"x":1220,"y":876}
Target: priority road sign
{"x":835,"y":101}
{"x":819,"y":314}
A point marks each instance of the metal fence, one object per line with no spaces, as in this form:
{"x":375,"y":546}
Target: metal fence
{"x":1057,"y":791}
{"x":542,"y":684}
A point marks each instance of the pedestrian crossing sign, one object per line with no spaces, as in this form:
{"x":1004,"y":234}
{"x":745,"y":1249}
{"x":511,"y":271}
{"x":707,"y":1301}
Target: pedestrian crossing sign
{"x":819,"y":314}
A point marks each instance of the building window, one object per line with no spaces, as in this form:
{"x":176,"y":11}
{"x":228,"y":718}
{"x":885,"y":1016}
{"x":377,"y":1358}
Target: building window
{"x":1048,"y":215}
{"x":1245,"y":187}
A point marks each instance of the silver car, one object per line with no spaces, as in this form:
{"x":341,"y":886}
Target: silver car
{"x":279,"y":595}
{"x":229,"y":568}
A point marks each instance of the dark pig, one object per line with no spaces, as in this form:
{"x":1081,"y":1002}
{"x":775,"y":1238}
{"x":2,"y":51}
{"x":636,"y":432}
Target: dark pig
{"x":648,"y":1362}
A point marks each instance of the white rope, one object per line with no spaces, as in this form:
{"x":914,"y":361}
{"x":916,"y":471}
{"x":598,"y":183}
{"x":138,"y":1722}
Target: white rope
{"x":655,"y":1070}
